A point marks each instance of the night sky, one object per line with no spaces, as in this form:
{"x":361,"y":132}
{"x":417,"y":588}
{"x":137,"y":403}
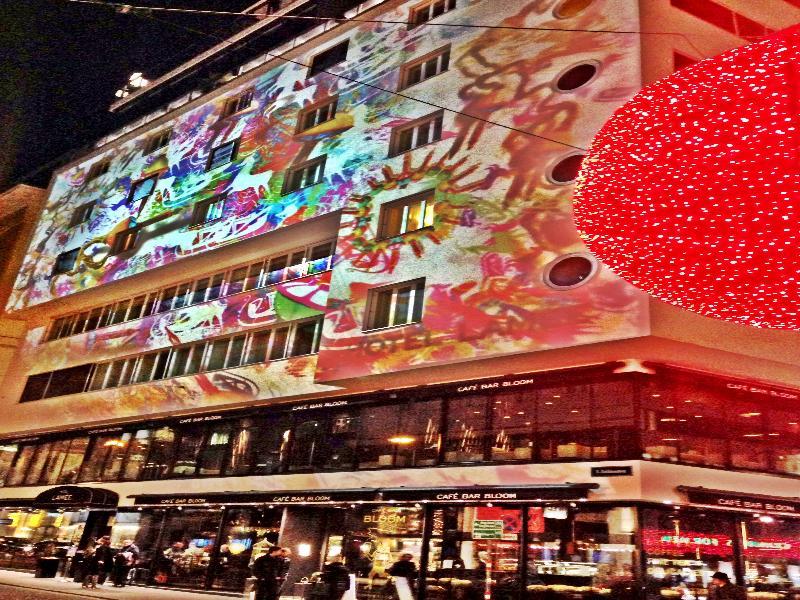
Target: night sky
{"x":61,"y":62}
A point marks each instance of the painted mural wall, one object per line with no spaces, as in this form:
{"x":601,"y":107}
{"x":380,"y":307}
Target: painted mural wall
{"x":288,"y":301}
{"x":499,"y":216}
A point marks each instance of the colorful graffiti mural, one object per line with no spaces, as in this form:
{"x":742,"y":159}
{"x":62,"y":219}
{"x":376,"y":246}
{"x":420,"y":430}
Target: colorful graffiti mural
{"x":500,"y":216}
{"x":288,"y":301}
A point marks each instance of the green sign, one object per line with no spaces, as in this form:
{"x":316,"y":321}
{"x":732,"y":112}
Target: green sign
{"x":487,"y":530}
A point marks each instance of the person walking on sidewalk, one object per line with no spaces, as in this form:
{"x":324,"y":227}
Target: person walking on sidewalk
{"x":268,"y":569}
{"x":124,"y":560}
{"x":105,"y":556}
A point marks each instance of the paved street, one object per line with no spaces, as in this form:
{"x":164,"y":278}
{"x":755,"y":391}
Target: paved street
{"x":24,"y":586}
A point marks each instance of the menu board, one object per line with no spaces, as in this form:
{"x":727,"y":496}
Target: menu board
{"x":487,"y":530}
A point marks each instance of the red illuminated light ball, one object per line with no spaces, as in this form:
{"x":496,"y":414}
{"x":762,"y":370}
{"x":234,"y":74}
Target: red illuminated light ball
{"x":690,"y":191}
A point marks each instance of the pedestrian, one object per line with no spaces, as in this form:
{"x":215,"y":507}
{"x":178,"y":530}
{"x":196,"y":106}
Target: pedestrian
{"x":267,"y":569}
{"x":105,"y":556}
{"x":92,"y":565}
{"x":721,"y":588}
{"x":336,"y":577}
{"x":124,"y":560}
{"x":404,"y":572}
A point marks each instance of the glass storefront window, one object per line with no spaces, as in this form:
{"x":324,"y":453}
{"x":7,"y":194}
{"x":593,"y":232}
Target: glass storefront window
{"x":307,"y":447}
{"x":341,"y":440}
{"x":104,"y":458}
{"x":188,"y":452}
{"x":210,"y":458}
{"x":19,"y":467}
{"x":420,"y":423}
{"x":73,"y":460}
{"x":162,"y":449}
{"x":187,"y":543}
{"x":7,"y":453}
{"x":564,"y":424}
{"x":381,"y":436}
{"x":243,"y":531}
{"x":272,"y":445}
{"x":38,"y":462}
{"x":771,"y":553}
{"x":144,"y":528}
{"x":683,"y":548}
{"x":137,"y":455}
{"x":468,"y":429}
{"x":512,"y":427}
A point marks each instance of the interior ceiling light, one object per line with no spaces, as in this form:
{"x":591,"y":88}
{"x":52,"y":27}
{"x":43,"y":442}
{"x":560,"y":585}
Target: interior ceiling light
{"x":691,"y":190}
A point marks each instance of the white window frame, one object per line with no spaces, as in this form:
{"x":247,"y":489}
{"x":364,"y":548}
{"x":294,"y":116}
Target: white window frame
{"x":417,"y":295}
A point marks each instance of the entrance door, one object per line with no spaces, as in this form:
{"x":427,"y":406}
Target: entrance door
{"x":474,"y":553}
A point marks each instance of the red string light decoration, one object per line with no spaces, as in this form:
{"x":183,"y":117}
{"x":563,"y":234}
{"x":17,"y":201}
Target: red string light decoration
{"x":690,"y":191}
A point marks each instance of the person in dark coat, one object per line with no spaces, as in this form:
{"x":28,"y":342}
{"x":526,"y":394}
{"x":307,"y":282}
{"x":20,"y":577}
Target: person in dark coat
{"x":721,"y":588}
{"x":405,"y":568}
{"x":337,"y":578}
{"x":268,"y":570}
{"x":124,"y":560}
{"x":91,"y":568}
{"x":105,"y":555}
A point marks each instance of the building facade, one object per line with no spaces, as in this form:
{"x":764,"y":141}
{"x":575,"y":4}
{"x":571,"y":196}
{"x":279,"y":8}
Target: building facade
{"x":338,"y":303}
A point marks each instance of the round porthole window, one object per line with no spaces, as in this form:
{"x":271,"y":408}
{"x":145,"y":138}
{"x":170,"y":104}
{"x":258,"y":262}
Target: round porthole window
{"x":566,"y":169}
{"x":571,"y":8}
{"x":576,"y":76}
{"x":570,"y":271}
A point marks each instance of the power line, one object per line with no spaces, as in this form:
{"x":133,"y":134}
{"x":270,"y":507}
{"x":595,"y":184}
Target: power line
{"x":144,"y":10}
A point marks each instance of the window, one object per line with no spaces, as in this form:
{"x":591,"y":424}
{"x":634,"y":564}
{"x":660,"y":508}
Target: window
{"x":306,"y":337}
{"x":83,"y":213}
{"x":429,"y":10}
{"x":142,"y":189}
{"x":417,"y":133}
{"x":396,"y":305}
{"x":125,"y":240}
{"x":424,"y":68}
{"x":98,"y":169}
{"x":299,"y":263}
{"x":316,"y":115}
{"x":406,"y":214}
{"x":208,"y":210}
{"x":237,"y":104}
{"x":330,"y":57}
{"x":222,"y":155}
{"x":304,"y":175}
{"x":158,"y":141}
{"x":65,"y":261}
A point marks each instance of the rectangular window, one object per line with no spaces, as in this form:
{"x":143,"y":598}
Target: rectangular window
{"x":160,"y":368}
{"x":97,"y":318}
{"x":330,"y":57}
{"x":119,"y":312}
{"x":237,"y":281}
{"x":424,"y":68}
{"x":158,"y":141}
{"x":237,"y":104}
{"x":316,"y":115}
{"x":166,"y":299}
{"x":277,"y":268}
{"x":69,"y":381}
{"x":99,"y":169}
{"x":319,"y":258}
{"x":99,"y":377}
{"x":222,"y":155}
{"x":35,"y":387}
{"x":208,"y":210}
{"x":142,"y":189}
{"x":257,"y":351}
{"x":83,"y":213}
{"x":146,"y":364}
{"x":217,"y":351}
{"x":182,"y":295}
{"x":399,"y":304}
{"x":179,"y":360}
{"x":65,"y":261}
{"x":306,"y":337}
{"x":125,"y":241}
{"x":423,"y":13}
{"x":235,"y":351}
{"x":277,"y":349}
{"x":406,"y":214}
{"x":137,"y":309}
{"x":415,"y":134}
{"x":304,"y":175}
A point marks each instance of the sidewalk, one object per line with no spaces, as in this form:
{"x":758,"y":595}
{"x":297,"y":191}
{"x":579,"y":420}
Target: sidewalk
{"x":71,"y":589}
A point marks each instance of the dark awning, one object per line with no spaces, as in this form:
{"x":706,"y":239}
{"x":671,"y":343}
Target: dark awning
{"x":567,"y":491}
{"x":738,"y":501}
{"x":69,"y":496}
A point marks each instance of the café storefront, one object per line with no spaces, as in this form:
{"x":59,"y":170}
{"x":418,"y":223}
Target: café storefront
{"x":480,"y":543}
{"x":55,"y":519}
